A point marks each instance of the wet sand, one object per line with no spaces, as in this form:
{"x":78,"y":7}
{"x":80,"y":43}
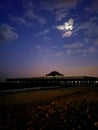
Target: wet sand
{"x":33,"y":96}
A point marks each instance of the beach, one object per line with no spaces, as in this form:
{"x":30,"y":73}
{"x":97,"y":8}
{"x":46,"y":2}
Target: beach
{"x":62,"y":108}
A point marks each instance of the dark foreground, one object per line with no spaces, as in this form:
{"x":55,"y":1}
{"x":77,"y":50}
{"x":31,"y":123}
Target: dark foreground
{"x":74,"y":110}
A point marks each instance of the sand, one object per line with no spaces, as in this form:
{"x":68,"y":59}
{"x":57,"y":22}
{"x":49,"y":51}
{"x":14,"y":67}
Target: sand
{"x":33,"y":96}
{"x":62,"y":108}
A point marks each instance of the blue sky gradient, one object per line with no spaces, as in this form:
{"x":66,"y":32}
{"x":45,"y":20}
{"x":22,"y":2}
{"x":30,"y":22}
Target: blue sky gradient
{"x":39,"y":36}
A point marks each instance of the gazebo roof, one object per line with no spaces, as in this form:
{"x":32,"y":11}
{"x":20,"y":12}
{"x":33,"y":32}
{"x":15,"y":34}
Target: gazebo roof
{"x":54,"y":73}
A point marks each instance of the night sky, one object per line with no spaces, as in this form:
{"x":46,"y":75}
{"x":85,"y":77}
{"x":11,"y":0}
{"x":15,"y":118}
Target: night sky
{"x":40,"y":36}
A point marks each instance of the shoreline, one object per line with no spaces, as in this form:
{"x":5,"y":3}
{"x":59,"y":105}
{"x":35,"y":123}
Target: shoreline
{"x":45,"y":95}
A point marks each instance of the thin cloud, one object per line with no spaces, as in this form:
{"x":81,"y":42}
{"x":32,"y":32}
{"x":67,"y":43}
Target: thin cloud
{"x":90,"y":28}
{"x":92,"y":49}
{"x":55,"y":47}
{"x":59,"y":54}
{"x":38,"y":47}
{"x":30,"y":14}
{"x":92,"y":32}
{"x":28,"y":4}
{"x":21,"y":21}
{"x":67,"y":34}
{"x":86,"y":40}
{"x":60,"y":27}
{"x":46,"y":38}
{"x":95,"y":5}
{"x":60,"y":14}
{"x":88,"y":10}
{"x":96,"y":43}
{"x":7,"y":33}
{"x":30,"y":8}
{"x":18,"y":20}
{"x":74,"y":45}
{"x":41,"y":49}
{"x":68,"y":52}
{"x":44,"y":32}
{"x":41,"y":20}
{"x":58,"y":4}
{"x":87,"y":50}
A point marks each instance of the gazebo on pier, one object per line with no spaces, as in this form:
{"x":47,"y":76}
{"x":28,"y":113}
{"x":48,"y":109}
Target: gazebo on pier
{"x":55,"y":74}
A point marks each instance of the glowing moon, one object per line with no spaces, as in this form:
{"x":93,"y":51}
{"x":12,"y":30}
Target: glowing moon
{"x":68,"y":26}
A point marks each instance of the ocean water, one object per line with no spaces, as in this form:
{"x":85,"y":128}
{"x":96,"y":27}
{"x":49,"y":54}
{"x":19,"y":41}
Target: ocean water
{"x":26,"y":89}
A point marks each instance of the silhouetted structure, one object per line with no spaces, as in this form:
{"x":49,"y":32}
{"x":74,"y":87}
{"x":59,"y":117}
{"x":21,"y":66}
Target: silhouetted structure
{"x":54,"y":73}
{"x":52,"y":81}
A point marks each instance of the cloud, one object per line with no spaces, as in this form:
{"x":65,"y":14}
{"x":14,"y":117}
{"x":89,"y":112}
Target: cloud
{"x":63,"y":9}
{"x":95,"y":5}
{"x":38,"y":47}
{"x":41,"y":20}
{"x":96,"y":42}
{"x":68,"y":52}
{"x":60,"y":14}
{"x":60,"y":27}
{"x":86,"y":40}
{"x":7,"y":33}
{"x":30,"y":14}
{"x":44,"y":32}
{"x":59,"y":54}
{"x":67,"y":34}
{"x":46,"y":38}
{"x":89,"y":10}
{"x":30,"y":11}
{"x":74,"y":45}
{"x":21,"y":21}
{"x":60,"y":8}
{"x":90,"y":28}
{"x":18,"y":20}
{"x":84,"y":25}
{"x":58,"y":4}
{"x":70,"y":22}
{"x":84,"y":52}
{"x":87,"y":50}
{"x":92,"y":32}
{"x":41,"y":49}
{"x":28,"y":4}
{"x":55,"y":47}
{"x":91,"y":50}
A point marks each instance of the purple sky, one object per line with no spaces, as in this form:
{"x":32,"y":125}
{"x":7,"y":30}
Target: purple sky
{"x":39,"y":36}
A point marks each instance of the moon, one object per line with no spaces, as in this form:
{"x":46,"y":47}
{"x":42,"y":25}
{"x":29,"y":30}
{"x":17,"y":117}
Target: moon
{"x":68,"y":26}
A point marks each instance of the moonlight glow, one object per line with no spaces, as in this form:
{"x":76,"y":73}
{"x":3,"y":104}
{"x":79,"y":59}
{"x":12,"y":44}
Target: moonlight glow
{"x":67,"y":27}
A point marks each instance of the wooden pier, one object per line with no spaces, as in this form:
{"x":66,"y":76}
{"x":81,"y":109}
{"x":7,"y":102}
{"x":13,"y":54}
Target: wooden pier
{"x":54,"y":81}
